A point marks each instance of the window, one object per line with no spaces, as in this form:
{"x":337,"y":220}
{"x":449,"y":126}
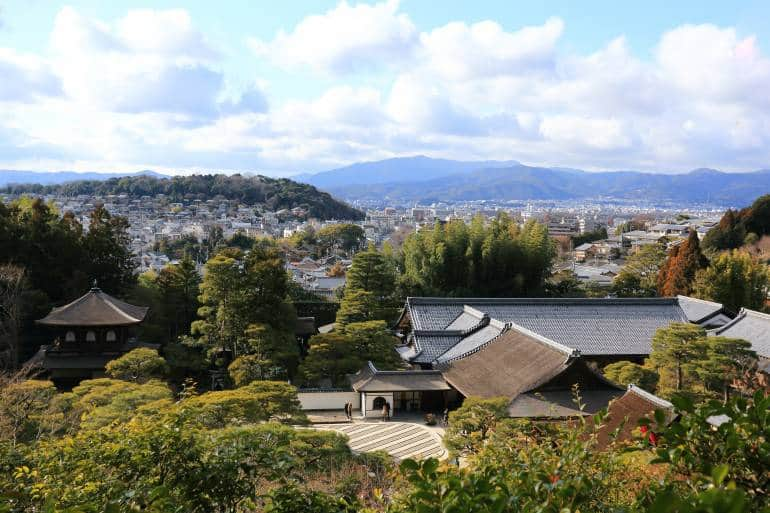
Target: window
{"x":70,"y":336}
{"x":111,"y":337}
{"x":91,"y":336}
{"x":378,"y":403}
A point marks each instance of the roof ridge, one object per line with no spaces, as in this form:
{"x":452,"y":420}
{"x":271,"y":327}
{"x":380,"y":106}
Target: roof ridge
{"x":569,"y":351}
{"x":755,"y":313}
{"x":104,"y":297}
{"x":542,"y":300}
{"x":470,"y":351}
{"x":741,"y":315}
{"x":649,"y":396}
{"x":699,"y":300}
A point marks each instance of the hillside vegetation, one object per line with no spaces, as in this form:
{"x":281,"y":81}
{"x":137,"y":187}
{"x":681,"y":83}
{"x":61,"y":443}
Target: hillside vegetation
{"x":273,"y":193}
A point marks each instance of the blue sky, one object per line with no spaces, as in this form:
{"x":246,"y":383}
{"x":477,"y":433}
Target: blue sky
{"x":287,"y":87}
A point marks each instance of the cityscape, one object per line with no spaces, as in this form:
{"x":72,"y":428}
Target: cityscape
{"x":382,"y":256}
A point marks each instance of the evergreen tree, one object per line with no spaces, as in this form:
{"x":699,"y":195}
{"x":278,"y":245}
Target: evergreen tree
{"x":677,"y":275}
{"x":244,"y":305}
{"x":638,"y":277}
{"x":629,"y":373}
{"x":331,"y":356}
{"x":676,"y":351}
{"x":726,"y":360}
{"x":106,"y":248}
{"x":178,"y":289}
{"x":735,"y":279}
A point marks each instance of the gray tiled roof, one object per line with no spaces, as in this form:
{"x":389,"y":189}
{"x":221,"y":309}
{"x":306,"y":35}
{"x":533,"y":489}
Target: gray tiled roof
{"x":592,"y":326}
{"x":698,"y":309}
{"x":751,"y":326}
{"x":472,"y":342}
{"x":429,"y":346}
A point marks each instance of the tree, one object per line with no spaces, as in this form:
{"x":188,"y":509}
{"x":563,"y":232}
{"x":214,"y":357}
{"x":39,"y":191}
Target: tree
{"x":628,"y":373}
{"x":470,"y":425}
{"x":677,"y":275}
{"x":495,"y":259}
{"x":223,"y":311}
{"x":727,"y":360}
{"x":372,"y":341}
{"x":676,"y":350}
{"x":178,"y":289}
{"x":101,"y":402}
{"x":638,"y":277}
{"x":12,"y":289}
{"x":331,"y":356}
{"x":370,"y":271}
{"x":735,"y":279}
{"x":24,"y":406}
{"x":138,"y":365}
{"x":110,"y":261}
{"x":358,"y":306}
{"x":257,"y":402}
{"x":346,"y":236}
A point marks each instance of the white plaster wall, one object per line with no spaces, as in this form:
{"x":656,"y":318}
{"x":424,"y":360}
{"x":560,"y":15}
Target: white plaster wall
{"x":371,"y":396}
{"x":328,"y":400}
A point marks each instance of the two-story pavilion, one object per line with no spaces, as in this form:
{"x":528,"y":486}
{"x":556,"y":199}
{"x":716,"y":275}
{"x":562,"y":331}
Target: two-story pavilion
{"x":89,"y":332}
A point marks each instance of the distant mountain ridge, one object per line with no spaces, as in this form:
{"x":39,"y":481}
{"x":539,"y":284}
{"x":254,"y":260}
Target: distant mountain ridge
{"x":522,"y":182}
{"x":396,"y":170}
{"x":274,"y":194}
{"x":57,"y":177}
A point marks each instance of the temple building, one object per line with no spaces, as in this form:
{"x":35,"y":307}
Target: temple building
{"x":536,"y":352}
{"x":89,"y":332}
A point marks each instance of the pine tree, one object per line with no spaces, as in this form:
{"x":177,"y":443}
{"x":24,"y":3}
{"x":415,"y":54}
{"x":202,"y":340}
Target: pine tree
{"x":676,"y":350}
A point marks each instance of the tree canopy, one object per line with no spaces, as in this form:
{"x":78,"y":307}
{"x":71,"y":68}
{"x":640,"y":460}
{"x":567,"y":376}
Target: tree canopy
{"x":496,"y":260}
{"x":736,"y":279}
{"x":271,"y":193}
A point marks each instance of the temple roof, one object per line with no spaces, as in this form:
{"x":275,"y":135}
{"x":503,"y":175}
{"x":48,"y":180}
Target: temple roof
{"x":445,"y":328}
{"x":535,"y":373}
{"x":751,"y":326}
{"x":95,"y":308}
{"x":369,"y":379}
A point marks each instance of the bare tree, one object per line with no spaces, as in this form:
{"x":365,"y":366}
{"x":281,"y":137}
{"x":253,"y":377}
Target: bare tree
{"x":12,"y":287}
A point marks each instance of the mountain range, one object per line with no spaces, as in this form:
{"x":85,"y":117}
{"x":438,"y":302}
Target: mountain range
{"x":424,"y":180}
{"x":58,"y":177}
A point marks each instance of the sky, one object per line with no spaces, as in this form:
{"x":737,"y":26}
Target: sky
{"x":301,"y":86}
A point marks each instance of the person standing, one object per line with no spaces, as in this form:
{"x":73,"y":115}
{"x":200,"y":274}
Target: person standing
{"x":385,"y":412}
{"x":445,"y":417}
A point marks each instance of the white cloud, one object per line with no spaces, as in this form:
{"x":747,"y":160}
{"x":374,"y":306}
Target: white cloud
{"x":149,"y":61}
{"x":345,"y":39}
{"x":459,"y":51}
{"x":25,"y":77}
{"x":150,"y":90}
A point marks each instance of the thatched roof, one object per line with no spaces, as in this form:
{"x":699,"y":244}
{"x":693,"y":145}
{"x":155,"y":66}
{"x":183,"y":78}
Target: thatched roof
{"x":513,"y":363}
{"x":95,"y":308}
{"x":537,"y":374}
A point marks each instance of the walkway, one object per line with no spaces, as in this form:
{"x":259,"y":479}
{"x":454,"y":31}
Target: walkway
{"x":399,"y":439}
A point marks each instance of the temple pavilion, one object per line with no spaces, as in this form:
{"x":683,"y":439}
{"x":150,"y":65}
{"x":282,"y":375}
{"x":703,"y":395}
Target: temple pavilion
{"x":89,"y":332}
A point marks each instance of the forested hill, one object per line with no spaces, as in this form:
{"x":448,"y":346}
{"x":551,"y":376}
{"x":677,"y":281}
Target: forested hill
{"x":273,"y":193}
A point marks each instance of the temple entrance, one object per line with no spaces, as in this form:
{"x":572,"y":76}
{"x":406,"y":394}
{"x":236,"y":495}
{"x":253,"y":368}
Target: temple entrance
{"x":378,"y":403}
{"x":433,"y":401}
